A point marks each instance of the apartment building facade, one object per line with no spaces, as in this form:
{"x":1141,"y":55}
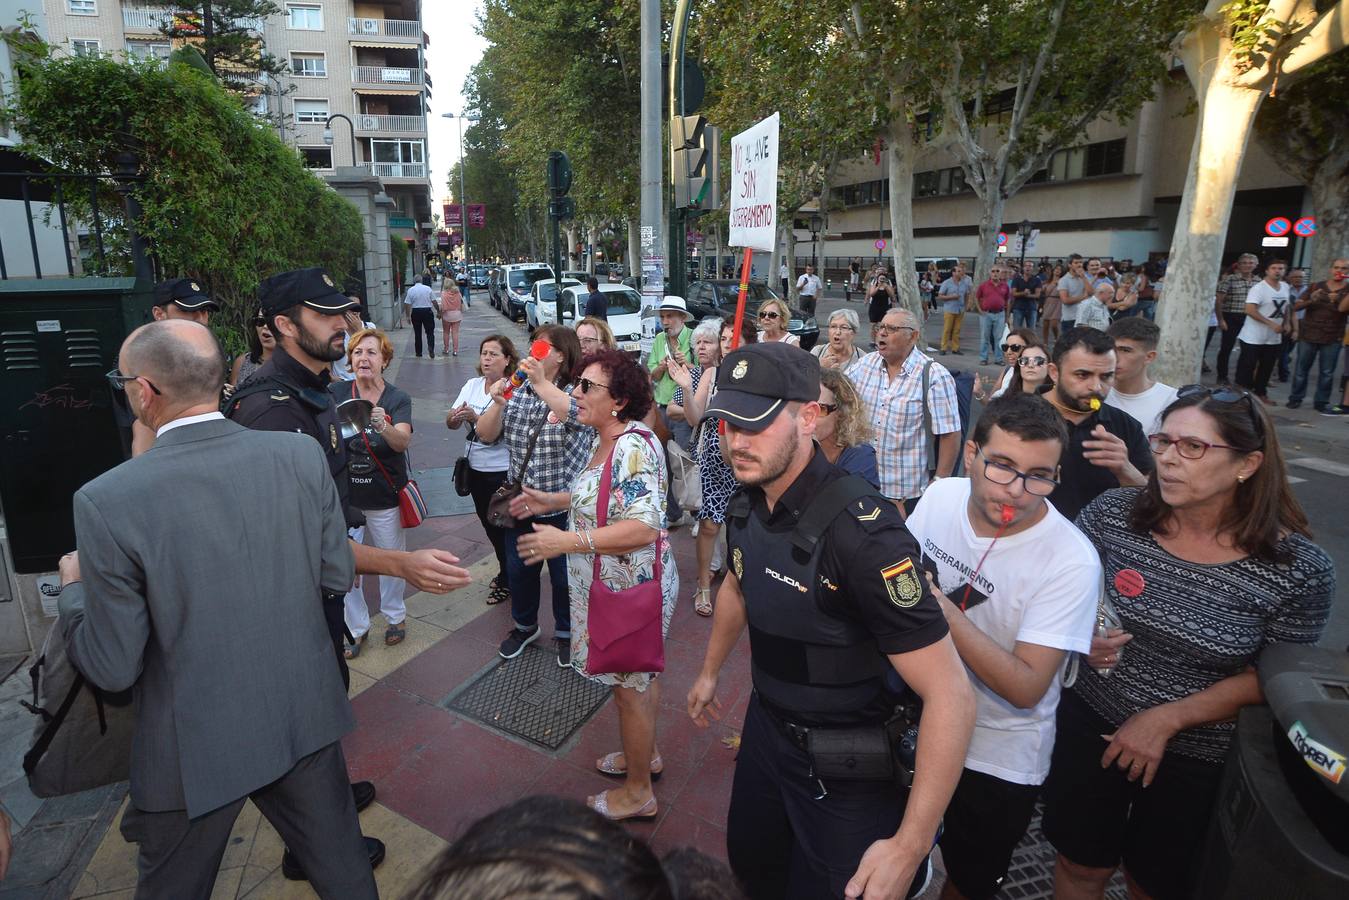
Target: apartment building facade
{"x":356,"y":92}
{"x":1116,"y":193}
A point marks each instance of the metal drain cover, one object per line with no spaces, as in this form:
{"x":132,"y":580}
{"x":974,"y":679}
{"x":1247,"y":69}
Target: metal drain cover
{"x":531,"y":698}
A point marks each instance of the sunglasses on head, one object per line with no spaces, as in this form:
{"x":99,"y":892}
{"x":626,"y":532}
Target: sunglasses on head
{"x":1225,"y":395}
{"x":1015,"y":348}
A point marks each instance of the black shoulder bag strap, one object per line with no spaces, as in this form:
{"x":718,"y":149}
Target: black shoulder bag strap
{"x":266,"y":384}
{"x":825,"y":508}
{"x":529,"y":450}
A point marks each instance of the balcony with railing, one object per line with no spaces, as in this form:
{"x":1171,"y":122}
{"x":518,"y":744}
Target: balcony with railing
{"x":392,"y":75}
{"x":397,"y":29}
{"x":148,"y":19}
{"x":391,"y":124}
{"x":398,"y":170}
{"x":145,"y":19}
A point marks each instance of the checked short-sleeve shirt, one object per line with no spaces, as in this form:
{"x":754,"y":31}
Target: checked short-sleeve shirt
{"x":895,"y":407}
{"x":1236,"y":286}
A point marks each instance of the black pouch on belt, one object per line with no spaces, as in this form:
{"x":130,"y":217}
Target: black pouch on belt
{"x":851,"y":754}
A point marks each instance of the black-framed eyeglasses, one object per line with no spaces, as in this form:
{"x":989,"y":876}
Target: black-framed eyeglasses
{"x":1187,"y":447}
{"x":1015,"y":348}
{"x":587,"y":385}
{"x":1028,"y":361}
{"x":1225,"y":395}
{"x":118,"y":381}
{"x":1001,"y":473}
{"x":769,"y":315}
{"x":829,"y":408}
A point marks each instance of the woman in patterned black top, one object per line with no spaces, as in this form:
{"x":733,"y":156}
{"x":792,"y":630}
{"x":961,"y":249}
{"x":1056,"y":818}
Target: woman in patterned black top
{"x":1205,"y":566}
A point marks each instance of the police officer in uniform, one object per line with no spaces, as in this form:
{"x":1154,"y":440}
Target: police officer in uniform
{"x":826,"y":577}
{"x":176,"y":298}
{"x":183,"y":298}
{"x":289,"y":392}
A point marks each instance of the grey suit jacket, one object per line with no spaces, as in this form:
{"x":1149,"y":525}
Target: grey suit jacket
{"x":202,"y":565}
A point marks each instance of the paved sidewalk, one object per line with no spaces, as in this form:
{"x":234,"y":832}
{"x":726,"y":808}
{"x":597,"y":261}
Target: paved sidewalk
{"x":437,"y":770}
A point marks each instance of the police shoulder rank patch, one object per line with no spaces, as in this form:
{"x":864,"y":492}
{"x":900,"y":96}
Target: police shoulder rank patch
{"x":901,"y":582}
{"x":738,"y":562}
{"x":332,"y":435}
{"x":866,"y":510}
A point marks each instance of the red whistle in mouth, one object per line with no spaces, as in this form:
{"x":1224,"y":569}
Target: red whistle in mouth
{"x":1008,"y":514}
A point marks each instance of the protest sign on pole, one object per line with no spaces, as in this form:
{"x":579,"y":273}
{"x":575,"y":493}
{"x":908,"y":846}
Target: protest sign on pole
{"x":754,"y":201}
{"x":754,"y":186}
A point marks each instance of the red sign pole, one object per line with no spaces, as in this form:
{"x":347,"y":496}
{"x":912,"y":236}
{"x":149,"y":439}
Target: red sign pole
{"x":744,"y":295}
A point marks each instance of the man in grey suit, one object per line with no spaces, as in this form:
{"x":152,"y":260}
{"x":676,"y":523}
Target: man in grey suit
{"x":197,"y":582}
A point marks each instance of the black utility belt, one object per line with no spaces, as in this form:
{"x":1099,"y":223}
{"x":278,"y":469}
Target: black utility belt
{"x":882,"y":752}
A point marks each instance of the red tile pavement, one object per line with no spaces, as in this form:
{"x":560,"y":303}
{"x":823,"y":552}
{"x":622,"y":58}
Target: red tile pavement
{"x":443,"y":771}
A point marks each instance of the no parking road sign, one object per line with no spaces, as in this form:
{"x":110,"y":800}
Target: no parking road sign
{"x":1002,"y":239}
{"x":1305,"y":227}
{"x":1277,"y":226}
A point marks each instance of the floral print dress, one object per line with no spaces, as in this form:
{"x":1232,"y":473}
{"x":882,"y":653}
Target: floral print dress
{"x":637,"y":492}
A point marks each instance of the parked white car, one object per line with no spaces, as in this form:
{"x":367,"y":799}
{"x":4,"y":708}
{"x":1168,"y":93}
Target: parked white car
{"x":625,"y":312}
{"x":541,"y":306}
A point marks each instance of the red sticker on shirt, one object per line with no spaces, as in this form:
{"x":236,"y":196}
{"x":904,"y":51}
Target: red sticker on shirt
{"x":1129,"y":582}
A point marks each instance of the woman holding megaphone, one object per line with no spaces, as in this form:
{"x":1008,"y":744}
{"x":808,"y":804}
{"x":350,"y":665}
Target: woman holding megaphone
{"x":534,"y":416}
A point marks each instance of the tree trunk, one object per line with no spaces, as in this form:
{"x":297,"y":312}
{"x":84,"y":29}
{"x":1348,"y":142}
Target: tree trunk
{"x":569,"y":235}
{"x":791,"y":266}
{"x":633,"y":264}
{"x":1223,"y":128}
{"x":1329,"y":190}
{"x":902,"y":152}
{"x":990,"y":223}
{"x":777,"y":258}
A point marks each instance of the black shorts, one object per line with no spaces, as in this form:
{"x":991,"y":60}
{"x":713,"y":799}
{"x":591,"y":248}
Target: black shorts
{"x":983,"y":824}
{"x":1097,"y":818}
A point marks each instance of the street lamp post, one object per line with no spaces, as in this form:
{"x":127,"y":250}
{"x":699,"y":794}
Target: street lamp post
{"x":328,"y":134}
{"x":463,"y":204}
{"x":1024,"y":230}
{"x":816,"y":223}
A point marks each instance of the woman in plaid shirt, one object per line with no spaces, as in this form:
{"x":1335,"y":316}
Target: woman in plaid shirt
{"x":563,"y":445}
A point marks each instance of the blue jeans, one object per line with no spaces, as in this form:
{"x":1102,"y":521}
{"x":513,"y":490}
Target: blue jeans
{"x":524,"y":580}
{"x":1147,"y":309}
{"x":681,"y":433}
{"x":1325,"y":356}
{"x":1023,"y":314}
{"x":990,"y":330}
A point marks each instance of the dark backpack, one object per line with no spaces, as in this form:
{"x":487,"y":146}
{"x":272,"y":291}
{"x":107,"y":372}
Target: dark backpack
{"x":964,"y":405}
{"x":83,"y":737}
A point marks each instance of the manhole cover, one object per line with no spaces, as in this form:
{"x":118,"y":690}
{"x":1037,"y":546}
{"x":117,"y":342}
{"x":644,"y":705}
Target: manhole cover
{"x":531,"y":698}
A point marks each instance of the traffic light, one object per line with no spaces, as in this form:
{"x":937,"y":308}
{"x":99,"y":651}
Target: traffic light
{"x":559,"y":174}
{"x":688,"y":136}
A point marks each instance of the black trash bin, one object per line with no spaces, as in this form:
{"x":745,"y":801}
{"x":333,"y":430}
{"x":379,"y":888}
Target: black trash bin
{"x":1281,"y":822}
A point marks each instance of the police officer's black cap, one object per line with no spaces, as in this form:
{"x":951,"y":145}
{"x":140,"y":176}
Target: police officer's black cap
{"x":184,"y":293}
{"x":313,"y":287}
{"x":755,"y":382}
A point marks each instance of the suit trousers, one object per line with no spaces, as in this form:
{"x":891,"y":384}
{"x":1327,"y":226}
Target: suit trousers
{"x":424,"y":320}
{"x":386,"y":531}
{"x":311,"y":807}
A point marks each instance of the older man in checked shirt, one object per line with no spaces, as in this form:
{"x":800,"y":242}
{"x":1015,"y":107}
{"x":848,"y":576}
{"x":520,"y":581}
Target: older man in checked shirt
{"x":890,"y":382}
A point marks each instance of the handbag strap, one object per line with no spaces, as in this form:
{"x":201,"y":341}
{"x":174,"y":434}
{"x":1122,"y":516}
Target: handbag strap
{"x":606,"y":484}
{"x":378,"y":464}
{"x":529,"y":450}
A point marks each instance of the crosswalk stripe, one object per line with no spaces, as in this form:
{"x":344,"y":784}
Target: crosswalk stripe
{"x":1321,"y":465}
{"x":1293,"y":479}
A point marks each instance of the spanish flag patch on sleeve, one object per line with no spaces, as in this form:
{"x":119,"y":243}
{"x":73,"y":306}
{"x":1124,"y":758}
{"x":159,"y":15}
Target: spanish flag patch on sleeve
{"x":901,"y":581}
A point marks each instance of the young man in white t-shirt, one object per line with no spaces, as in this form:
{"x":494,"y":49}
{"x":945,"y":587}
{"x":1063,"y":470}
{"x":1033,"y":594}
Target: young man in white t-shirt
{"x":1268,"y":316}
{"x":1019,"y":586}
{"x":1135,"y":392}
